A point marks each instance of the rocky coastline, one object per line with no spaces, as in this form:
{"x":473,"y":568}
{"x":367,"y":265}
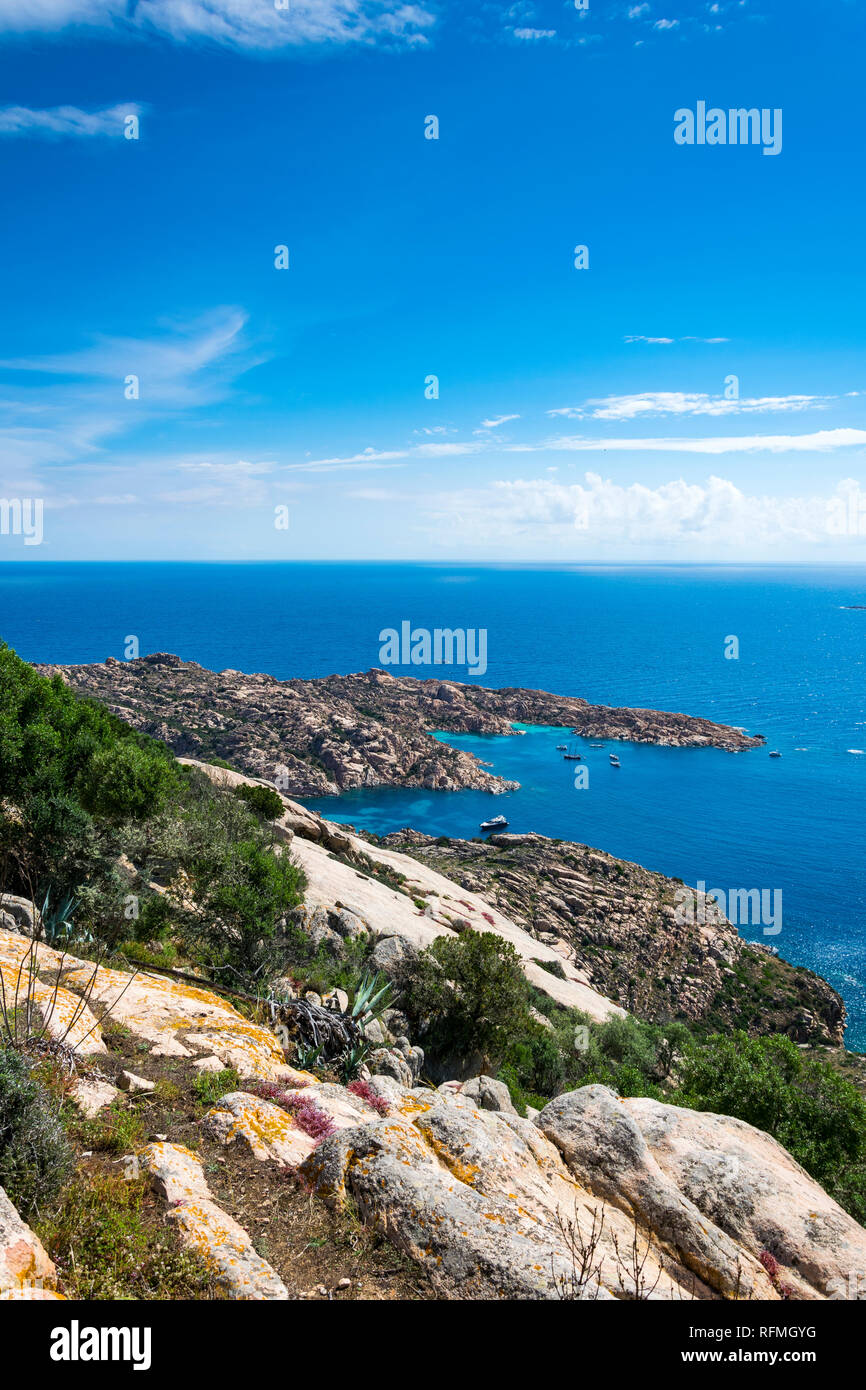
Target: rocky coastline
{"x":325,"y":736}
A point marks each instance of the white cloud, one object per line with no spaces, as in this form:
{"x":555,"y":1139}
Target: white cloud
{"x":59,"y":121}
{"x":700,"y":518}
{"x":666,"y":24}
{"x":497,"y":420}
{"x":639,"y":338}
{"x":368,"y":458}
{"x":532,"y":34}
{"x":646,"y":403}
{"x":243,"y":24}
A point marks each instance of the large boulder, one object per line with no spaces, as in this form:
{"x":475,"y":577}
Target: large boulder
{"x":176,"y":1018}
{"x":477,"y":1198}
{"x":488,"y":1094}
{"x":723,"y":1198}
{"x":19,"y":915}
{"x":750,"y":1186}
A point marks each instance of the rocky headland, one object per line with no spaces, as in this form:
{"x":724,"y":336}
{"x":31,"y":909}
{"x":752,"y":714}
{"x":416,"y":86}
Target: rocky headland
{"x":321,"y":737}
{"x":619,"y":925}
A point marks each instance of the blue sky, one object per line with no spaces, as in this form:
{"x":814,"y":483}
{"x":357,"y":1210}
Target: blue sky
{"x":581,"y":415}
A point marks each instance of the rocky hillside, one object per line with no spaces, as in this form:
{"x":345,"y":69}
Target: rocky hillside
{"x":319,"y":737}
{"x":617,"y":924}
{"x":481,"y":1203}
{"x":594,"y":933}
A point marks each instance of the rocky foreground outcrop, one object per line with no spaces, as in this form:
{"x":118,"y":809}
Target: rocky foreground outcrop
{"x":320,"y":737}
{"x":596,"y":1198}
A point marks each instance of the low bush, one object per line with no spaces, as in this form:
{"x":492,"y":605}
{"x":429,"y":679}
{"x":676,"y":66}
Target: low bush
{"x":35,"y":1155}
{"x":466,"y":995}
{"x":211,"y":1085}
{"x":818,"y":1115}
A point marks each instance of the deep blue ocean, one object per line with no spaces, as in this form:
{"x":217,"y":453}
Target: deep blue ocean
{"x":650,"y":637}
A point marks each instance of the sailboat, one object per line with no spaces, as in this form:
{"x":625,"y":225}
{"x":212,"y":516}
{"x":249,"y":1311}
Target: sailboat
{"x":571,"y":754}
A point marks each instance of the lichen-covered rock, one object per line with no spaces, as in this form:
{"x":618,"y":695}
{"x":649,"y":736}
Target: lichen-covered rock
{"x":33,"y":969}
{"x":176,"y":1018}
{"x":223,"y":1245}
{"x":748,"y":1185}
{"x":26,"y":1272}
{"x":273,"y":1133}
{"x":476,"y":1199}
{"x":269,"y":1132}
{"x":717,"y":1192}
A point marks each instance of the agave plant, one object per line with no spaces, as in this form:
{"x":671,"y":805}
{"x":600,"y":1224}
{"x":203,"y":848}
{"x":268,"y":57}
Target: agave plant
{"x":370,"y":1001}
{"x":57,"y":920}
{"x":353,"y":1060}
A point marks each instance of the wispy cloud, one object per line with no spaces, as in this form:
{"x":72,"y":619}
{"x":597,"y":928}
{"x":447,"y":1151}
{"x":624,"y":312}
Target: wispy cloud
{"x":370,"y":457}
{"x":66,"y":122}
{"x":188,"y":364}
{"x":822,"y":441}
{"x":243,"y":24}
{"x":646,"y":403}
{"x":497,"y":420}
{"x":221,"y":483}
{"x":666,"y":342}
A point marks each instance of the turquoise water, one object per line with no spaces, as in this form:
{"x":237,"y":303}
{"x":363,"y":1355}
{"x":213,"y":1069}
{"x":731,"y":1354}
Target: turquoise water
{"x":650,"y":637}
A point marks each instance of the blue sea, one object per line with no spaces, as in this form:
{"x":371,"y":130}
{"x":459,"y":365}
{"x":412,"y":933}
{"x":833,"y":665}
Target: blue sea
{"x":653,"y":637}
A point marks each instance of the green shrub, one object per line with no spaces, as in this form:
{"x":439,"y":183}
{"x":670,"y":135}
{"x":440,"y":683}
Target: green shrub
{"x":35,"y":1156}
{"x":802,"y":1101}
{"x":126,"y":782}
{"x":465,"y":995}
{"x":241,"y":903}
{"x":117,"y":1130}
{"x":263,"y":801}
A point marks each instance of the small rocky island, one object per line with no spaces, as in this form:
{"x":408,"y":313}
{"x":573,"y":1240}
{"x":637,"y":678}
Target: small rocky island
{"x":364,"y":730}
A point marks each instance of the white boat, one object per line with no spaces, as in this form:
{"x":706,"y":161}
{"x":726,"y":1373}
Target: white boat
{"x":497,"y":823}
{"x":614,"y":760}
